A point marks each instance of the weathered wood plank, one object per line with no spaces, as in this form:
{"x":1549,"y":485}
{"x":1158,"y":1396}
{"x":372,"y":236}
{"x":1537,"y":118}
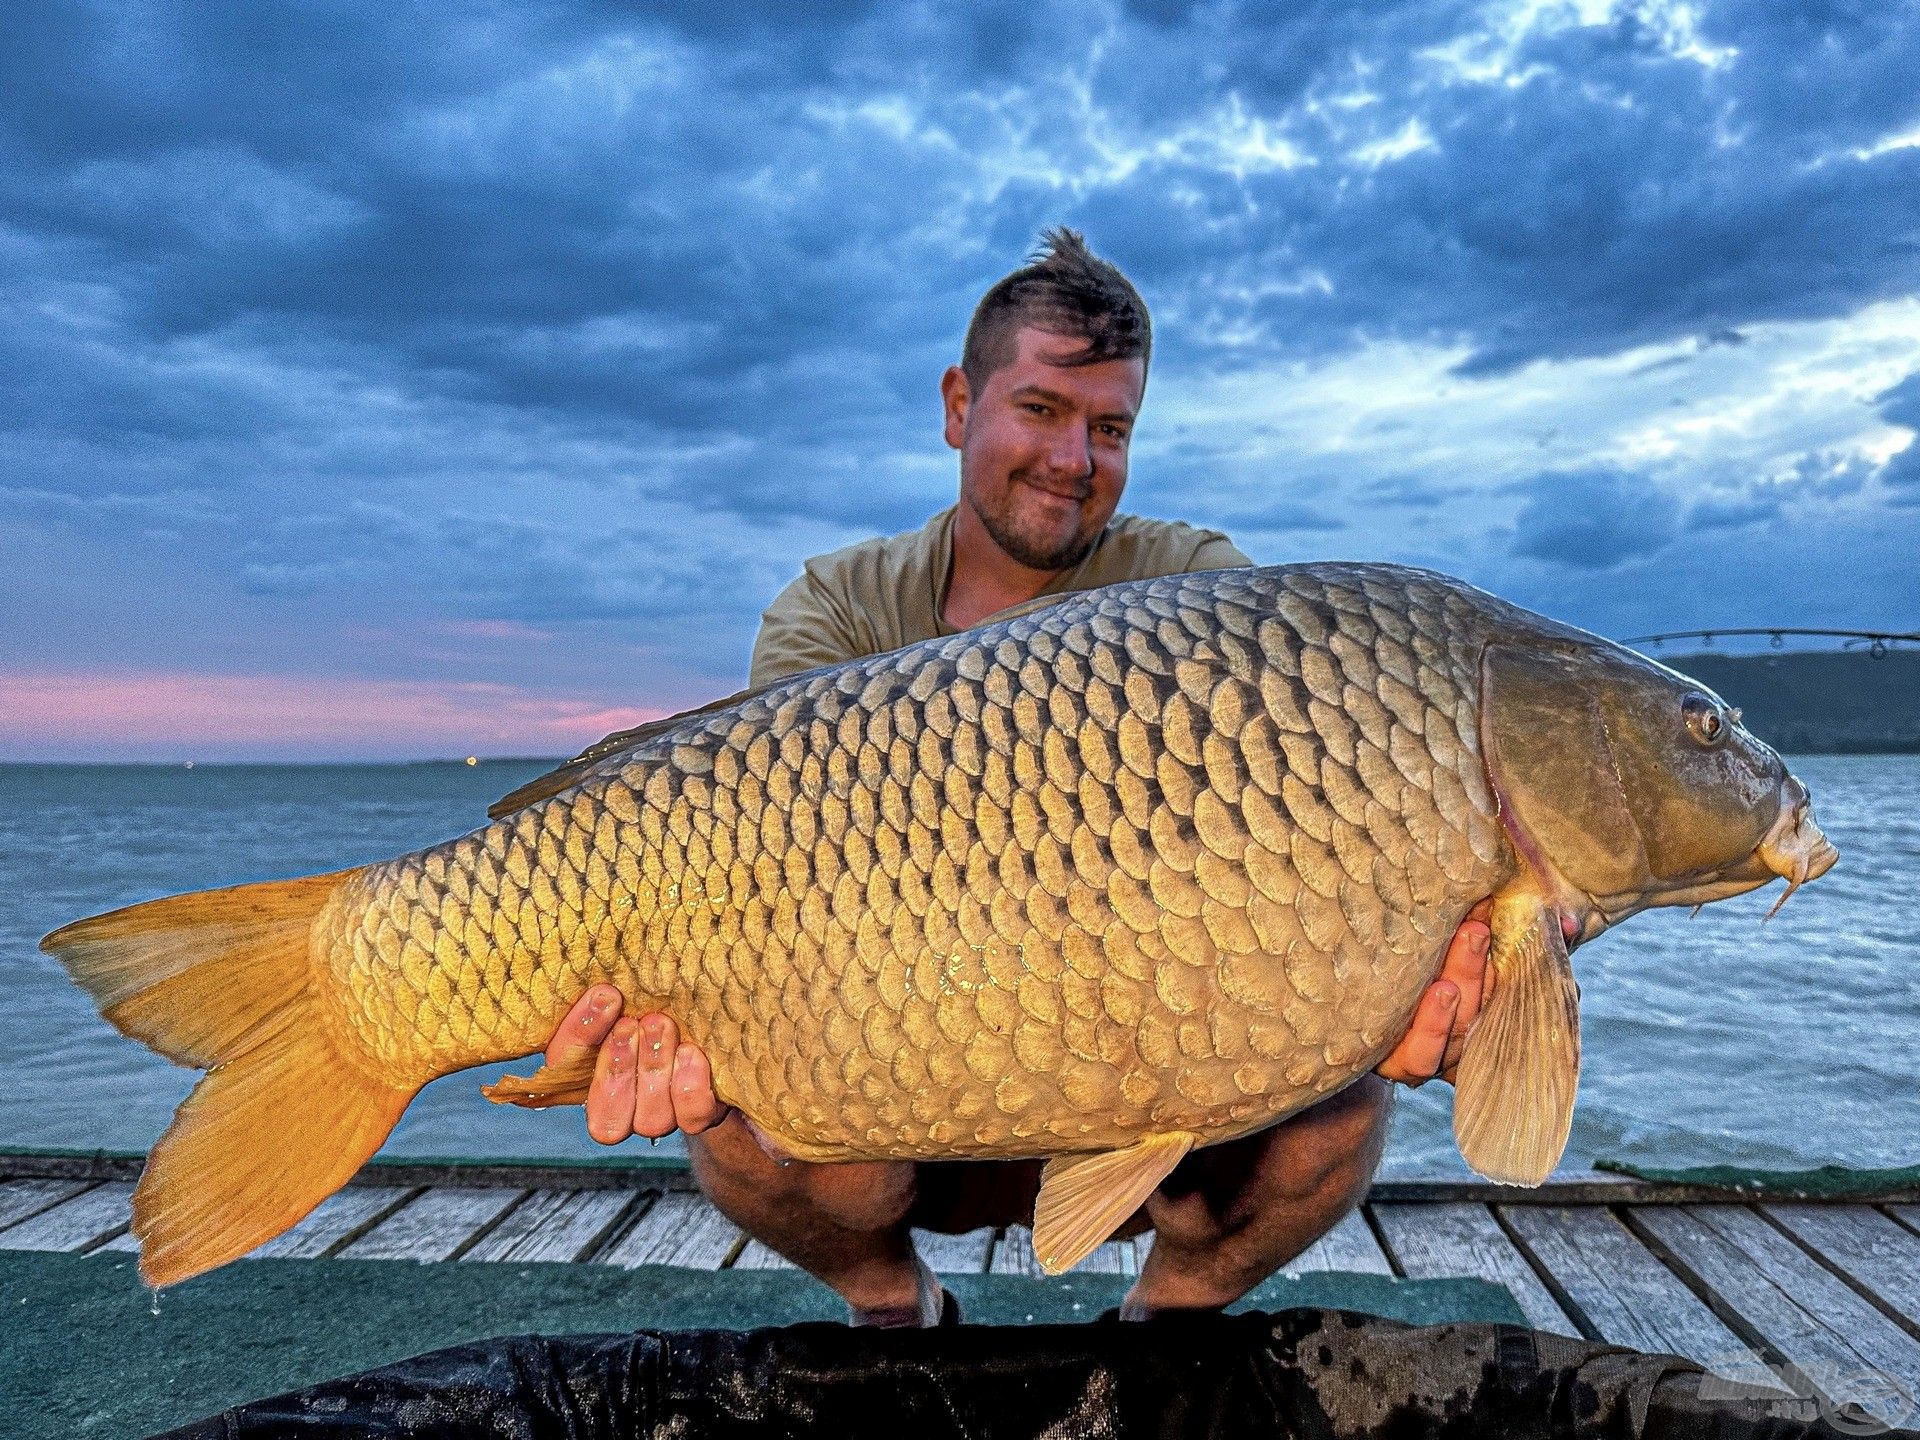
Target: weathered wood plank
{"x":1908,"y":1215}
{"x":434,"y":1225}
{"x":1116,"y":1257}
{"x":755,"y":1256}
{"x":77,"y":1223}
{"x":1622,"y":1289}
{"x":955,"y":1254}
{"x":21,"y":1198}
{"x":338,"y":1217}
{"x":552,"y":1225}
{"x":1761,"y":1280}
{"x":1432,"y":1242}
{"x":1877,"y":1254}
{"x":677,"y":1229}
{"x":1348,"y":1246}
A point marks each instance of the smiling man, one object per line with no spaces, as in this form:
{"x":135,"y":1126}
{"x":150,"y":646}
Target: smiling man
{"x":1042,"y":409}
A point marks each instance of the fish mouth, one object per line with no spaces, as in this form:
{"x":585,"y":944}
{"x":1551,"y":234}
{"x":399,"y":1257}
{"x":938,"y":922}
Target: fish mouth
{"x":1793,"y":849}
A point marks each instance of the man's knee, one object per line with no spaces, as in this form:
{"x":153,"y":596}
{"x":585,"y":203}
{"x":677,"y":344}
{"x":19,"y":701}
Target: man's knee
{"x":1338,"y":1144}
{"x":748,"y":1185}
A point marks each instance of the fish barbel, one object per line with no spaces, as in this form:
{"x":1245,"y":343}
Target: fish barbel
{"x":1151,"y":867}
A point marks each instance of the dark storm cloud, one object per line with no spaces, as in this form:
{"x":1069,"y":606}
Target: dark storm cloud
{"x":1900,"y":405}
{"x":1593,"y":520}
{"x":556,"y":311}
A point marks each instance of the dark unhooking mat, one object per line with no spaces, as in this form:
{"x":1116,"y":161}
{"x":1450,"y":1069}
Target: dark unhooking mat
{"x":1310,"y":1374}
{"x":81,"y":1352}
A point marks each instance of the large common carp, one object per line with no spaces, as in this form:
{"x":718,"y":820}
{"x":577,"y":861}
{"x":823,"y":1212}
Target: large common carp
{"x":1146,"y":869}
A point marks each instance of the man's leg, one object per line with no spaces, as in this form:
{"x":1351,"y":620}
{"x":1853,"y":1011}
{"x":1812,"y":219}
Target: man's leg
{"x":1226,"y":1218}
{"x":1230,"y":1215}
{"x":845,"y":1224}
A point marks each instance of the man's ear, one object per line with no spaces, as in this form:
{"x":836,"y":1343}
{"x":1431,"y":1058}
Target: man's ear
{"x":956,"y":395}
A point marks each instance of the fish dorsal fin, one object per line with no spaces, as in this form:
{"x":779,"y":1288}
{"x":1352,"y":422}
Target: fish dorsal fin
{"x":576,"y":769}
{"x":1513,"y":1096}
{"x":1025,"y":608}
{"x":1084,"y":1197}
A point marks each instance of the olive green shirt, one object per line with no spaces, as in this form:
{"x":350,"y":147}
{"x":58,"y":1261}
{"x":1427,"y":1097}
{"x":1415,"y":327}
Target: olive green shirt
{"x":884,"y":593}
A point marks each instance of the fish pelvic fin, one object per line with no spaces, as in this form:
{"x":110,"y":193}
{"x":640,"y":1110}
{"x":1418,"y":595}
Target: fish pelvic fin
{"x":1083,"y":1198}
{"x":1513,"y":1094}
{"x":225,"y":981}
{"x":564,"y":1084}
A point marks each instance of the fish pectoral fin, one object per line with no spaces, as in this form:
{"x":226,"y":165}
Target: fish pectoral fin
{"x":550,"y":1085}
{"x":1084,"y":1197}
{"x":1513,"y":1095}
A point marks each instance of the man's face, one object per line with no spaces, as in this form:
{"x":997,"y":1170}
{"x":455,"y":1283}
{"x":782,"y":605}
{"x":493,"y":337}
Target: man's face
{"x":1043,"y":447}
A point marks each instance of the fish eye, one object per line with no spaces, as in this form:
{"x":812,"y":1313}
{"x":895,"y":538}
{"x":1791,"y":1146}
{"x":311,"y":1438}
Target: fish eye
{"x":1705,"y":722}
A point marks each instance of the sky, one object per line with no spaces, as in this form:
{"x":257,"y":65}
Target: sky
{"x":433,"y":379}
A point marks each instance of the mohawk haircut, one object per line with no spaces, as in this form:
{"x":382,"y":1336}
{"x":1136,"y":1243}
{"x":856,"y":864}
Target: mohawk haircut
{"x":1064,"y":289}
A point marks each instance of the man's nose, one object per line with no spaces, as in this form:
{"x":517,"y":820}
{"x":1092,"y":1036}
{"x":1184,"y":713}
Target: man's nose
{"x":1070,"y":454}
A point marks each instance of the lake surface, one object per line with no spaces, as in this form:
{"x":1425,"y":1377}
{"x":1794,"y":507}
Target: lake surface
{"x":1711,"y":1040}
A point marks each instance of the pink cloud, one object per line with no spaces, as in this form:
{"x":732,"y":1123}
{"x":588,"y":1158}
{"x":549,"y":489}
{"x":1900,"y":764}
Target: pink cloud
{"x":178,"y":715}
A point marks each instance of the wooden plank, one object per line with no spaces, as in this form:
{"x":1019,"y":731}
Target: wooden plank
{"x":955,"y":1254}
{"x":1878,"y":1255}
{"x":1116,"y":1257}
{"x":552,"y":1225}
{"x":1621,"y":1288}
{"x":1908,"y":1215}
{"x":339,"y":1217}
{"x":434,"y":1225}
{"x":1431,"y":1242}
{"x":677,"y":1229}
{"x":22,"y":1198}
{"x":756,"y":1256}
{"x":78,"y":1223}
{"x":1348,"y":1246}
{"x":945,"y":1254}
{"x":1013,"y":1253}
{"x":1761,"y":1280}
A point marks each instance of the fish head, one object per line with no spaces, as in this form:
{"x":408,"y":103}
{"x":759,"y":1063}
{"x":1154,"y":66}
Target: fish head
{"x":1625,"y":785}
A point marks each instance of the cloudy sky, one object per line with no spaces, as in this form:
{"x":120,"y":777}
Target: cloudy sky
{"x":433,"y":378}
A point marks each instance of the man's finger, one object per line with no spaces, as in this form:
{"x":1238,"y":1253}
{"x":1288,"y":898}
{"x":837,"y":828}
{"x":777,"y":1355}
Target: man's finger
{"x":610,"y":1098}
{"x":1417,"y":1058}
{"x":1466,"y":966}
{"x":653,"y":1099}
{"x":695,"y":1105}
{"x":587,"y":1024}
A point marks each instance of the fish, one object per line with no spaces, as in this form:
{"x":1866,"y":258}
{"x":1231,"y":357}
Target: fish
{"x":1138,"y":870}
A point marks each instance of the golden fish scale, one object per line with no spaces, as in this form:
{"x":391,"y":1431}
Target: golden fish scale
{"x":1176,"y":855}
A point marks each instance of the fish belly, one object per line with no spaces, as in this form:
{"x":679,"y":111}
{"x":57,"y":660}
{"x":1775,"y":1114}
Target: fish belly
{"x":1177,"y":855}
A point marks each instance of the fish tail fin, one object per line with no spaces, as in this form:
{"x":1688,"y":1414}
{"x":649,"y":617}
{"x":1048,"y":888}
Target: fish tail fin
{"x":224,"y":980}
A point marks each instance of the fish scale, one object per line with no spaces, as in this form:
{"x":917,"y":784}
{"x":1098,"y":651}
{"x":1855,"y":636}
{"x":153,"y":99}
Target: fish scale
{"x":1174,"y":855}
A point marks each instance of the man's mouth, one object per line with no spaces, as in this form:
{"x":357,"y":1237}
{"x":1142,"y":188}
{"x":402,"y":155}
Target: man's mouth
{"x":1077,"y":494}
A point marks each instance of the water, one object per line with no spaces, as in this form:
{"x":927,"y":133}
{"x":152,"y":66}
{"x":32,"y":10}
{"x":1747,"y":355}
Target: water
{"x":1712,"y":1040}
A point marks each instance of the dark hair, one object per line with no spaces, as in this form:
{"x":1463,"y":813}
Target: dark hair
{"x":1064,"y":289}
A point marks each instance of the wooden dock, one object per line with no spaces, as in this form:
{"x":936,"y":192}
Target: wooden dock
{"x":1827,"y":1292}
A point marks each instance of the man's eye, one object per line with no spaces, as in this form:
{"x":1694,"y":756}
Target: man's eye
{"x":1034,"y":407}
{"x":1114,"y":431}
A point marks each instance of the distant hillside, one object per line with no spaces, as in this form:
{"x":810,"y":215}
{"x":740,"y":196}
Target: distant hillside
{"x":1834,"y":701}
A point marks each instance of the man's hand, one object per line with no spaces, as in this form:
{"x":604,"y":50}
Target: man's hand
{"x":1433,"y":1042}
{"x":646,"y":1080}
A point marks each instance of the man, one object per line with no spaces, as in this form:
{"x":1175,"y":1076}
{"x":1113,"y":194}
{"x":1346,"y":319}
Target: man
{"x":1041,"y":409}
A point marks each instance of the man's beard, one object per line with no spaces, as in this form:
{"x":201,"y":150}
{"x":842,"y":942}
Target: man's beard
{"x":1029,"y":550}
